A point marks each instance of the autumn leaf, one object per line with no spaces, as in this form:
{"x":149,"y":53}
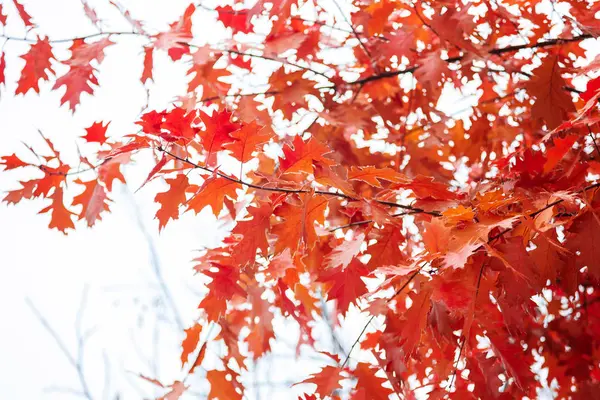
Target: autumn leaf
{"x":380,"y":13}
{"x":213,"y":193}
{"x":373,"y":176}
{"x":298,"y":222}
{"x":171,"y":200}
{"x":81,"y":75}
{"x":177,"y":389}
{"x":234,"y":20}
{"x":300,"y":156}
{"x":253,"y":233}
{"x":221,"y":387}
{"x":12,"y":162}
{"x":327,"y":380}
{"x":458,"y":214}
{"x":345,"y":284}
{"x":386,"y":251}
{"x":247,"y":139}
{"x":180,"y":33}
{"x":343,"y":254}
{"x":148,"y":64}
{"x":223,"y":287}
{"x":3,"y":68}
{"x":552,"y":103}
{"x":96,"y":132}
{"x":60,"y":217}
{"x":189,"y":344}
{"x":369,"y":383}
{"x":156,"y":169}
{"x":25,"y":17}
{"x":37,"y":65}
{"x":584,"y":240}
{"x":93,"y":201}
{"x":218,"y":132}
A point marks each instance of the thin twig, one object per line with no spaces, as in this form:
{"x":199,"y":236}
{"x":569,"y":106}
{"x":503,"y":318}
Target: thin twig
{"x":498,"y":51}
{"x":413,"y":276}
{"x":354,"y":32}
{"x":157,"y":269}
{"x":76,"y":363}
{"x":593,"y":140}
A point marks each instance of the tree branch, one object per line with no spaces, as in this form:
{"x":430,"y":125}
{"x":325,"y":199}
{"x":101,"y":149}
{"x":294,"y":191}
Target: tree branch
{"x":499,"y":51}
{"x":414,"y":210}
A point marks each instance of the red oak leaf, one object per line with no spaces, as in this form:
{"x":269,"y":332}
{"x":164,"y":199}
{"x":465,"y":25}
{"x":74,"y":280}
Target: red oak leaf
{"x":370,"y":384}
{"x":148,"y":64}
{"x":96,"y":132}
{"x":93,"y":201}
{"x":343,"y":254}
{"x":327,"y":380}
{"x":345,"y":284}
{"x":60,"y":217}
{"x":298,"y":225}
{"x":221,"y":387}
{"x":373,"y":176}
{"x":552,"y":104}
{"x":37,"y":65}
{"x":218,"y":132}
{"x":236,"y":20}
{"x":213,"y":193}
{"x":12,"y":162}
{"x":81,"y":75}
{"x":246,"y":141}
{"x":189,"y":344}
{"x":171,"y":200}
{"x":25,"y":17}
{"x":174,"y":41}
{"x":301,"y":155}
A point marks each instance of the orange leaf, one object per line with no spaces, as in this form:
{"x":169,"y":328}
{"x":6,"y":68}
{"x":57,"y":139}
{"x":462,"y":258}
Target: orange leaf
{"x":12,"y":162}
{"x":327,"y":380}
{"x":60,"y":216}
{"x":373,"y":176}
{"x":301,"y":156}
{"x":369,"y":383}
{"x":221,"y":387}
{"x":189,"y":344}
{"x":213,"y":193}
{"x":247,"y":139}
{"x":171,"y":200}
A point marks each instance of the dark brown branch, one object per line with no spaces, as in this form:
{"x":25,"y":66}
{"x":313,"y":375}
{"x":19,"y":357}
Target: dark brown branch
{"x":537,"y":212}
{"x":462,"y":345}
{"x":291,"y":64}
{"x":367,"y":221}
{"x":503,"y":50}
{"x":593,"y":140}
{"x":296,"y":191}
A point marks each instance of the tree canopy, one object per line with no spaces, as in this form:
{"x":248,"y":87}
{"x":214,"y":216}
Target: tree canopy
{"x":317,"y":128}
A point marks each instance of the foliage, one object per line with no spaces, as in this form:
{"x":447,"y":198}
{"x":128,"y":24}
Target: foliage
{"x":472,"y":236}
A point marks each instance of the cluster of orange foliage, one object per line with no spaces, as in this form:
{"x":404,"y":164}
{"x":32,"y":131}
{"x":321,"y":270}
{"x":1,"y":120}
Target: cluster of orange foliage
{"x":480,"y":231}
